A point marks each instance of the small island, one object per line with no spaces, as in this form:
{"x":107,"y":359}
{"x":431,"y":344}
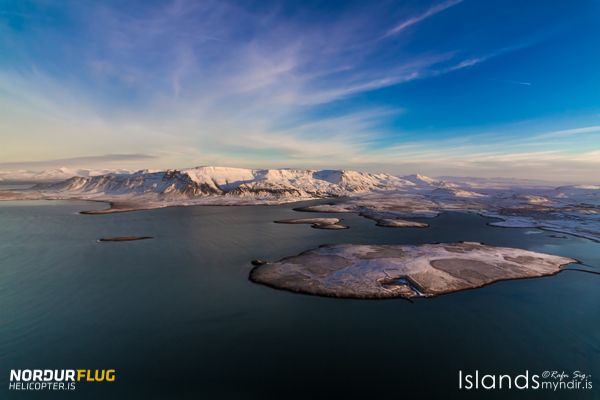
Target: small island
{"x":394,"y":222}
{"x":317,"y":223}
{"x":123,"y":238}
{"x":389,"y":212}
{"x":405,"y":271}
{"x":400,"y":223}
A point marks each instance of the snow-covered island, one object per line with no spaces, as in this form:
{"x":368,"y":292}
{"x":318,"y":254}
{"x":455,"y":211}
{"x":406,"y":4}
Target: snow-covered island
{"x":387,"y":199}
{"x":389,"y":271}
{"x":318,"y":223}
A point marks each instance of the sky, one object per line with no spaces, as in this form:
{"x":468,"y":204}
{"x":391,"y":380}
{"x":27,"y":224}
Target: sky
{"x":445,"y":87}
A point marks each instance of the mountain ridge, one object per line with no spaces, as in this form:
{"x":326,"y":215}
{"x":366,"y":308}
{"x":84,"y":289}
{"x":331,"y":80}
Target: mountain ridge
{"x":208,"y":180}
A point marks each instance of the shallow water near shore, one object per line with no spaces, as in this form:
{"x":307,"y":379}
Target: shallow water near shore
{"x":177,"y":317}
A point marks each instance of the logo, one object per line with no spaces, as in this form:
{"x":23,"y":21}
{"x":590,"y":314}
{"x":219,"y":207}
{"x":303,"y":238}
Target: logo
{"x":547,"y":380}
{"x":57,"y":379}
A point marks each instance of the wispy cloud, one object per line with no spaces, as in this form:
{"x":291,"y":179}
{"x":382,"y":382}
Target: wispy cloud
{"x":418,"y":18}
{"x":522,"y":83}
{"x":181,"y":89}
{"x":569,"y":132}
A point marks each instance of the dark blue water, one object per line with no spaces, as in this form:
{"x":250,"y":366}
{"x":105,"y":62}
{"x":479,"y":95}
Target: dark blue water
{"x":177,"y":317}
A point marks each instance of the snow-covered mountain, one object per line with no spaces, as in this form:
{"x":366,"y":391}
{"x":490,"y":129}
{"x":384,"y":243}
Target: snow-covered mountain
{"x":450,"y":192}
{"x":589,"y":194}
{"x":421,"y":180}
{"x":221,"y":185}
{"x":223,"y":181}
{"x":494,"y":183}
{"x":569,"y":209}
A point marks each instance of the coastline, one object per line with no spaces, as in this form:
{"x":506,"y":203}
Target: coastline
{"x":342,"y":204}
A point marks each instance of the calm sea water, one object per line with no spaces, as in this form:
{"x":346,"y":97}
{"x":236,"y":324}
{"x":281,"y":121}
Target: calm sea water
{"x":177,"y":317}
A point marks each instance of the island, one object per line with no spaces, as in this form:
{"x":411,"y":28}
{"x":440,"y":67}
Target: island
{"x":400,"y":223}
{"x":318,"y":223}
{"x":123,"y":238}
{"x":393,"y":222}
{"x":404,"y":271}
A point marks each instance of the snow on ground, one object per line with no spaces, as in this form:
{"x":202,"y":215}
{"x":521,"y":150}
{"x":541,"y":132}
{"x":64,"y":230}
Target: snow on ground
{"x":383,"y":197}
{"x":387,"y":271}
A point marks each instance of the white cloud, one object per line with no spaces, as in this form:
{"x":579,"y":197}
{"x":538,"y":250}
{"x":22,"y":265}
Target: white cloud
{"x":418,"y":18}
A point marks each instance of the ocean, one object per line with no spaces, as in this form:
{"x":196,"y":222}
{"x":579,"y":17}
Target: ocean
{"x":176,"y":316}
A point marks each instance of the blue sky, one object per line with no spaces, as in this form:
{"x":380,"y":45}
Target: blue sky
{"x":481,"y":88}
